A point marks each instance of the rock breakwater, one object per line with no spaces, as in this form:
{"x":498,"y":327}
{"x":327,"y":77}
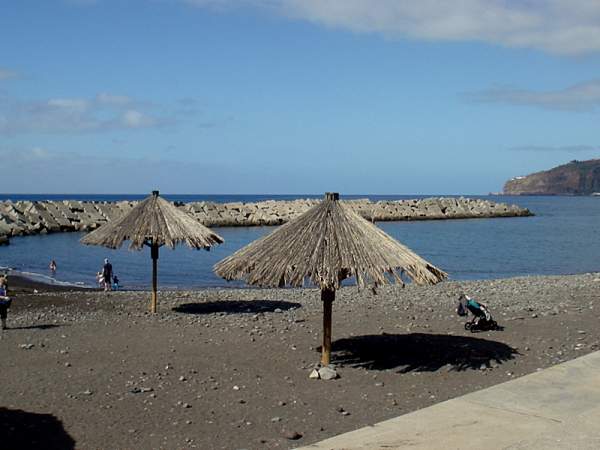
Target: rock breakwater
{"x":31,"y":218}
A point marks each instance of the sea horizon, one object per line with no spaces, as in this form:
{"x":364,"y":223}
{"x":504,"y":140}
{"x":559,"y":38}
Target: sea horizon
{"x":224,"y":198}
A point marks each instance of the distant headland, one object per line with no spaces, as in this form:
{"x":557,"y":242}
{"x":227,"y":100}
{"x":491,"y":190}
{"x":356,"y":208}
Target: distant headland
{"x":573,"y":178}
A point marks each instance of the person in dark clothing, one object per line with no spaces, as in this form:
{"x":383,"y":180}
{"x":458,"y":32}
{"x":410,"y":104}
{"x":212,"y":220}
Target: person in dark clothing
{"x":107,"y":274}
{"x":5,"y":301}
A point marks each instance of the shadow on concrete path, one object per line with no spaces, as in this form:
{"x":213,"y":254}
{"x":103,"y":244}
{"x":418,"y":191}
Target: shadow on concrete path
{"x":236,"y":307}
{"x":419,"y":352}
{"x":26,"y":430}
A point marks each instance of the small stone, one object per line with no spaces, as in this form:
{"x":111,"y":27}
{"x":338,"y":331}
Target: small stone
{"x":292,"y":435}
{"x":87,"y":392}
{"x":327,"y":373}
{"x":182,"y":378}
{"x":186,"y":405}
{"x":278,"y":310}
{"x":314,"y":374}
{"x":276,"y":419}
{"x":27,"y":346}
{"x":236,"y":388}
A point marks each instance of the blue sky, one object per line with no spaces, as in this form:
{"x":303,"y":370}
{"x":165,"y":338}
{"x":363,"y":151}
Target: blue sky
{"x":294,"y":96}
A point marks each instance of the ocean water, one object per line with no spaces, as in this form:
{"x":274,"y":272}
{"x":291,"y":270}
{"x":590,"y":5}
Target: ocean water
{"x":562,"y":238}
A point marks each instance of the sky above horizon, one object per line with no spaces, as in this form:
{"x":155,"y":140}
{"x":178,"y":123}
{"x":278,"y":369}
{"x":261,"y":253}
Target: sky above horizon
{"x":294,"y":96}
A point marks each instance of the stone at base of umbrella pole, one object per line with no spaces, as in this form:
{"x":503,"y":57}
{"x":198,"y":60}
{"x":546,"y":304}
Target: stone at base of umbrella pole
{"x":327,"y":297}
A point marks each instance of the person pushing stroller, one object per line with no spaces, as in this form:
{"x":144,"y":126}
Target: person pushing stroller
{"x":482,"y":318}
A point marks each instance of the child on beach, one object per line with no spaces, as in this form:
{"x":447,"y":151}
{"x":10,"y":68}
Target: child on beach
{"x":482,"y":318}
{"x":5,"y":301}
{"x":479,"y":310}
{"x":115,"y":283}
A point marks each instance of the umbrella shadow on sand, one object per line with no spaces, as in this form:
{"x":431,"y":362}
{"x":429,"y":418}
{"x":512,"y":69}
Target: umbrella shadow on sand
{"x":419,"y":352}
{"x":44,"y":326}
{"x":22,"y":429}
{"x":236,"y":307}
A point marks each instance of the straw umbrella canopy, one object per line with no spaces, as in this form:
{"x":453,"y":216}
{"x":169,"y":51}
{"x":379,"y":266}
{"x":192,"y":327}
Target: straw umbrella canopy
{"x":327,"y":244}
{"x":153,"y":222}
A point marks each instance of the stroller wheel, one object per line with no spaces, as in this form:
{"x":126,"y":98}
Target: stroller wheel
{"x":468,"y":325}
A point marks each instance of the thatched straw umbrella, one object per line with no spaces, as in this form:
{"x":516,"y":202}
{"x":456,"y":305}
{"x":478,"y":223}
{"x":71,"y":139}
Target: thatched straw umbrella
{"x":153,"y":222}
{"x":327,"y":244}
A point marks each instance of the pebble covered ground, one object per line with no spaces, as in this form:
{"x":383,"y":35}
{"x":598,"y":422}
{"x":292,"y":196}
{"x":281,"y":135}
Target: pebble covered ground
{"x":228,"y":369}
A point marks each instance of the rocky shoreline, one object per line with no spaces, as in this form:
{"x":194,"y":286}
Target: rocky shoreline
{"x":228,"y":368}
{"x":31,"y":218}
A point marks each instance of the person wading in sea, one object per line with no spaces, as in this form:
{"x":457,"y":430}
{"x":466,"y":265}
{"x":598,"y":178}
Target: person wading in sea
{"x":107,"y":274}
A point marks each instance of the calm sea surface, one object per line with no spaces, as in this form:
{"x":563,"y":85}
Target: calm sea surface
{"x":563,"y":238}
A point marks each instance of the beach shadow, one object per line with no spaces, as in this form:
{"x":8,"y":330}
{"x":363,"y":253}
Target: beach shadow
{"x":45,"y":326}
{"x":419,"y":352}
{"x":236,"y":307}
{"x":22,"y":429}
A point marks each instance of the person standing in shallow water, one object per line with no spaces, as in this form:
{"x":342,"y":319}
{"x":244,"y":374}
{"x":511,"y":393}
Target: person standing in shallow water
{"x":107,"y":274}
{"x":4,"y":301}
{"x":52,"y":266}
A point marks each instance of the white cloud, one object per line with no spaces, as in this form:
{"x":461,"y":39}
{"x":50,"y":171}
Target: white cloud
{"x":559,"y":148}
{"x":61,"y":115}
{"x":7,"y":74}
{"x":112,"y":99}
{"x":579,"y":97}
{"x":135,"y":119}
{"x":557,"y":26}
{"x":75,"y":105}
{"x":86,"y":171}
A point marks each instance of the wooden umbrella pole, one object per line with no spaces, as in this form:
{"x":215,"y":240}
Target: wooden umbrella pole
{"x":154,"y":254}
{"x":327,"y":296}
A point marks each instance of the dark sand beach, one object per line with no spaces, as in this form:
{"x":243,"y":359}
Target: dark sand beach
{"x":228,"y":369}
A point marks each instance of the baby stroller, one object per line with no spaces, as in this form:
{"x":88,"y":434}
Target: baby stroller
{"x":482,"y":319}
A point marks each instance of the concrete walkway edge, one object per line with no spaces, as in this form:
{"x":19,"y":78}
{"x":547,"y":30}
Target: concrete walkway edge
{"x":556,"y":408}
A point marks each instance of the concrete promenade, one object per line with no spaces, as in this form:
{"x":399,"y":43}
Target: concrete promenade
{"x":556,"y":408}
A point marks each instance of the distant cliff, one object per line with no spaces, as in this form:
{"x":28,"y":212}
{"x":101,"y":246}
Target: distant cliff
{"x":574,"y":178}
